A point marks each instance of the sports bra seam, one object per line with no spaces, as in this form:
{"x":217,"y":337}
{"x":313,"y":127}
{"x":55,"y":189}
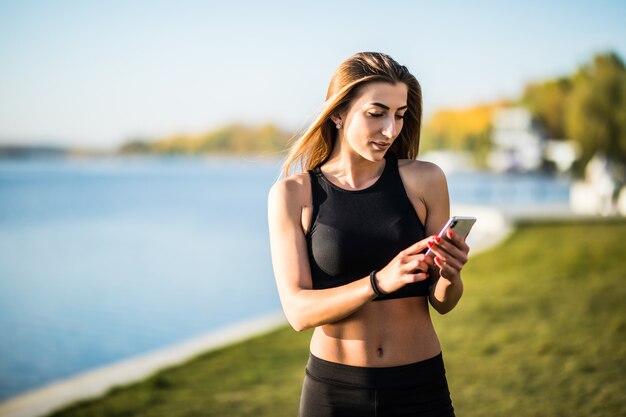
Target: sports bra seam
{"x":408,"y":200}
{"x":314,"y":206}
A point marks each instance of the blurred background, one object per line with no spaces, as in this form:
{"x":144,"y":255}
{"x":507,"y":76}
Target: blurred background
{"x":138,"y":141}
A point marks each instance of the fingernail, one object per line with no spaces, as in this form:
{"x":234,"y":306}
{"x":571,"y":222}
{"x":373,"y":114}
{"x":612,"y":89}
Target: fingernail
{"x":430,"y":244}
{"x":450,"y":233}
{"x":437,"y":259}
{"x":438,"y":239}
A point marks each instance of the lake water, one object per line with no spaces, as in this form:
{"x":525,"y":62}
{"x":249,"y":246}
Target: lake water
{"x":108,"y":258}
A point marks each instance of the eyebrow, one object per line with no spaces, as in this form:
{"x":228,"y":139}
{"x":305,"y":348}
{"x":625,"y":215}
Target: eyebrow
{"x":386,"y":107}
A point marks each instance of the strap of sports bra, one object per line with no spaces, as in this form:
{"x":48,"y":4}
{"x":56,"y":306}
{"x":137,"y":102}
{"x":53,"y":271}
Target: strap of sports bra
{"x":315,"y":189}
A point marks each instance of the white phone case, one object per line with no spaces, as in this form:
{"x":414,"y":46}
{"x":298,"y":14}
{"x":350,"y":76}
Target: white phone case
{"x":460,"y":225}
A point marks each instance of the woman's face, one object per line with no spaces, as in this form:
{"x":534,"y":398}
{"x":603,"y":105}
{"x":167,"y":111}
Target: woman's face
{"x":374,"y":119}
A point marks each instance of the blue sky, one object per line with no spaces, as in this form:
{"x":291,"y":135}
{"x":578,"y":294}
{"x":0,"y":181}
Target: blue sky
{"x":95,"y":74}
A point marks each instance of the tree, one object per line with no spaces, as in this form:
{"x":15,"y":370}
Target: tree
{"x":236,"y":139}
{"x":595,"y":112}
{"x":546,"y":101}
{"x":467,"y":129}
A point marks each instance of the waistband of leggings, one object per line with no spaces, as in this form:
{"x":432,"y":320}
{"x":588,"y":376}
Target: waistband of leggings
{"x":414,"y":374}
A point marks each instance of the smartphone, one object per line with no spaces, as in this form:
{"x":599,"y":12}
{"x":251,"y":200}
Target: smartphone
{"x":461,"y":225}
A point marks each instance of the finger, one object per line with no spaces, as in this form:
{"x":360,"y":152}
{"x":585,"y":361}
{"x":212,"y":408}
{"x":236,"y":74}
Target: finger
{"x":453,"y":256}
{"x":447,"y":272}
{"x":455,"y":260}
{"x":428,"y":260}
{"x":457,"y":240}
{"x":422,"y":276}
{"x":417,"y":264}
{"x":453,"y":263}
{"x":446,"y":269}
{"x":451,"y":246}
{"x":436,"y":251}
{"x":439,"y":249}
{"x":447,"y":250}
{"x":418,"y":247}
{"x":439,"y":262}
{"x":420,"y":262}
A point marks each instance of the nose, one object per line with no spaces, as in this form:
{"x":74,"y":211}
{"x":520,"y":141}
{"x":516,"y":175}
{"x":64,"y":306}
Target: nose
{"x":390,"y":129}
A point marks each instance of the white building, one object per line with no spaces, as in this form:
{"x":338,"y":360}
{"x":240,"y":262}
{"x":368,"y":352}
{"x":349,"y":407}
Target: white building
{"x":598,"y":193}
{"x":518,"y":141}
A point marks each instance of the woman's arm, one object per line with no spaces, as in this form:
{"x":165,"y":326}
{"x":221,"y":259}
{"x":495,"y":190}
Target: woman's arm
{"x":303,"y":306}
{"x":447,"y":287}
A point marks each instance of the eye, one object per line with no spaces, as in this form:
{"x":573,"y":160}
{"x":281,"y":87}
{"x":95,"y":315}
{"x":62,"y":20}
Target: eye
{"x":376,"y":114}
{"x":400,"y":116}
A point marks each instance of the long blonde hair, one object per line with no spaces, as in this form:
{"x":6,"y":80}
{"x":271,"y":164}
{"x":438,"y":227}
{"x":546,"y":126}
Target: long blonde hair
{"x":315,"y":145}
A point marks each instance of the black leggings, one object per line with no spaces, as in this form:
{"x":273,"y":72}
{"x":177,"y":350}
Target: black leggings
{"x":334,"y":389}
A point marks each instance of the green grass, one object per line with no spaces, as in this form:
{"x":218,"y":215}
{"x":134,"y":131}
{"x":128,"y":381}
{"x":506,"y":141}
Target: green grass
{"x":540,"y":331}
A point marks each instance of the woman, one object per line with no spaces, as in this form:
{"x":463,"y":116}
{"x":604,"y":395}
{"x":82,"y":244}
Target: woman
{"x":348,"y":237}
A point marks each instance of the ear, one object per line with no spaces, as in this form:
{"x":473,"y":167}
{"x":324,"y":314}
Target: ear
{"x":336,"y":118}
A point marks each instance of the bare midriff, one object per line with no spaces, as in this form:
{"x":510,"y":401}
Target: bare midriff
{"x":380,"y":334}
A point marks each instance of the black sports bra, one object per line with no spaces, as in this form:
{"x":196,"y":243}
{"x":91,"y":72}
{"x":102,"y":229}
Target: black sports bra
{"x":353,"y":232}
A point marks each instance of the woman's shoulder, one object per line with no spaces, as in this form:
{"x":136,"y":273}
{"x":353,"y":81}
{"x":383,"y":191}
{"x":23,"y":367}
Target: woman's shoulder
{"x":294,"y":188}
{"x":424,"y":172}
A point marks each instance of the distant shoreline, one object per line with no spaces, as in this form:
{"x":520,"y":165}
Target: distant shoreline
{"x":28,"y":152}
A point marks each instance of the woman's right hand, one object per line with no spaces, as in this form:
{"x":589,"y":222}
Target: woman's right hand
{"x":407,"y":267}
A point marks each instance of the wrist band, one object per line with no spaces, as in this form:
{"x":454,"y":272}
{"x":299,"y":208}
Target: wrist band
{"x":375,"y":287}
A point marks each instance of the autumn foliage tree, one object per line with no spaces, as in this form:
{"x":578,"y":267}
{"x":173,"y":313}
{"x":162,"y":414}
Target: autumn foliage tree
{"x":467,"y":129}
{"x":231,"y":139}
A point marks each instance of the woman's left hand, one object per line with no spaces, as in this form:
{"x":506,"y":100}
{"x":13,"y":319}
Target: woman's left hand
{"x":450,"y":255}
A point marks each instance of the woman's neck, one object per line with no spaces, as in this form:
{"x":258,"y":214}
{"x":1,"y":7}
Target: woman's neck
{"x":352,"y":170}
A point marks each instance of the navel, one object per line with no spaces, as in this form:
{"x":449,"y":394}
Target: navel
{"x":380,"y":352}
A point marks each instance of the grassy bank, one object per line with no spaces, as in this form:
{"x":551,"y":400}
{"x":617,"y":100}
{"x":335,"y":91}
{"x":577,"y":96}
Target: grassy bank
{"x":541,"y":331}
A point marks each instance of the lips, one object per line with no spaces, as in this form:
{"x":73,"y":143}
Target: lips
{"x":382,"y":144}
